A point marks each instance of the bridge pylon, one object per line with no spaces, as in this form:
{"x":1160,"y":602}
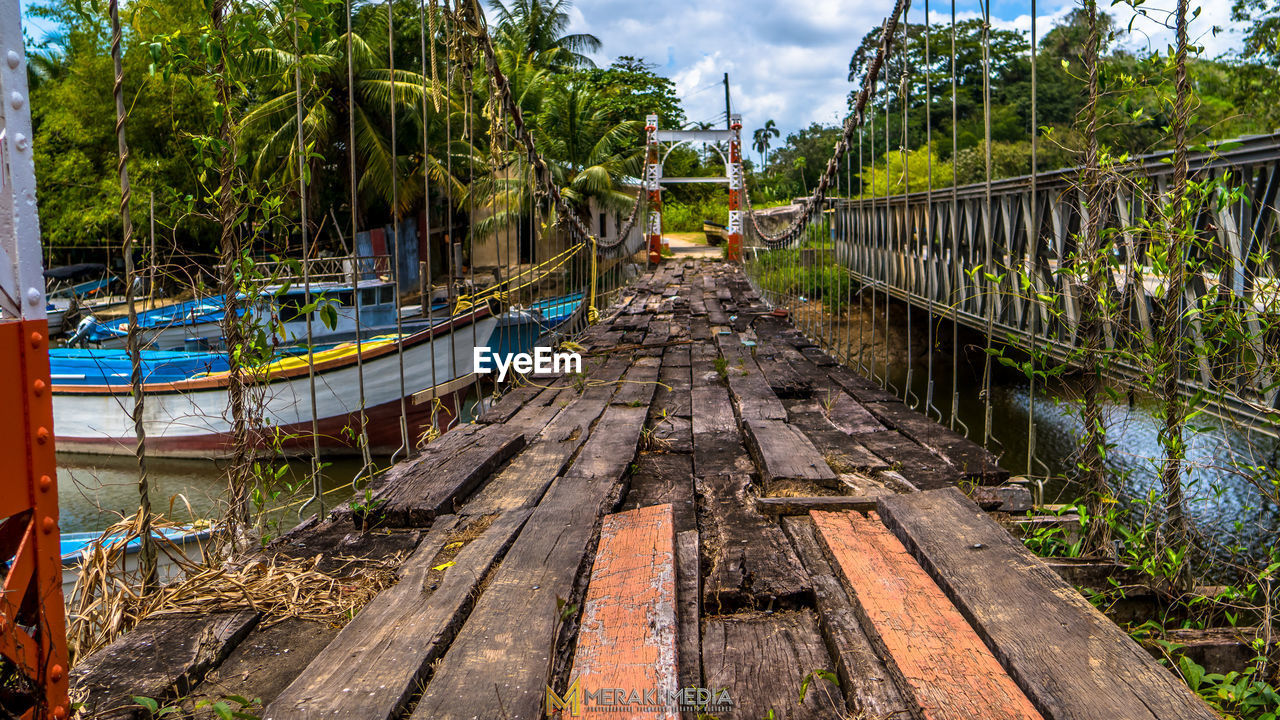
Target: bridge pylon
{"x":728,"y":144}
{"x":33,"y":634}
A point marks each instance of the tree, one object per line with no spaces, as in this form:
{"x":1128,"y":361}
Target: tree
{"x":538,"y":28}
{"x":761,"y":140}
{"x":629,"y":89}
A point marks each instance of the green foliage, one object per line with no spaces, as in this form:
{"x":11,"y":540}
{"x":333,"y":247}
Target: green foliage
{"x":630,"y":90}
{"x":688,"y":217}
{"x":913,"y":176}
{"x":1241,"y":695}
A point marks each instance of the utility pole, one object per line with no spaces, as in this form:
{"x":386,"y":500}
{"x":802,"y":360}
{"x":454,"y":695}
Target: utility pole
{"x":728,"y":110}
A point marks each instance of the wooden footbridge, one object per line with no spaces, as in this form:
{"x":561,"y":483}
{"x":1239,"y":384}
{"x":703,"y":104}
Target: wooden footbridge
{"x":714,"y":520}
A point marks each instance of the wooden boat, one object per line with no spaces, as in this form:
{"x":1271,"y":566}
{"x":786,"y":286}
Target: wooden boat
{"x":717,"y":234}
{"x":197,"y":324}
{"x":187,"y":407}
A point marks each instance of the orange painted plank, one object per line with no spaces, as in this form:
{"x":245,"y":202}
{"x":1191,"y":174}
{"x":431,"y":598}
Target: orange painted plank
{"x":628,"y":635}
{"x":928,"y":644}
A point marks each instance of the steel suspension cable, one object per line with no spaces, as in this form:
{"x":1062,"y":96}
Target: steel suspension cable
{"x":366,"y":455}
{"x":931,"y":260}
{"x":405,"y":445}
{"x":317,"y":492}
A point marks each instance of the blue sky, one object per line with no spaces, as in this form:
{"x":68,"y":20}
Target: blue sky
{"x":789,"y":61}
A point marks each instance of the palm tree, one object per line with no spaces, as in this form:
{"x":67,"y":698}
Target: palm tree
{"x":537,"y":28}
{"x":761,"y":143}
{"x":326,"y":113}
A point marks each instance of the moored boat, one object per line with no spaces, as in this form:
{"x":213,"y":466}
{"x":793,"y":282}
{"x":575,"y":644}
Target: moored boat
{"x":187,"y":412}
{"x":77,"y":545}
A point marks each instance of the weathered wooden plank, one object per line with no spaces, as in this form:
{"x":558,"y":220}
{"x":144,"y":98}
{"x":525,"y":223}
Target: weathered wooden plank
{"x":499,"y":663}
{"x":848,"y":415}
{"x":627,"y":637}
{"x":802,"y":505}
{"x":507,"y":405}
{"x":762,"y":660}
{"x":664,"y":478}
{"x":922,"y":468}
{"x":261,"y":666}
{"x":749,"y":561}
{"x":689,"y":609}
{"x":1021,"y":608}
{"x":862,"y":389}
{"x":869,"y":689}
{"x":971,"y":459}
{"x":370,"y":670}
{"x":752,"y":396}
{"x":528,"y":475}
{"x":784,"y":453}
{"x":414,"y":492}
{"x":843,"y":452}
{"x":638,"y":386}
{"x":161,"y":658}
{"x":936,"y":657}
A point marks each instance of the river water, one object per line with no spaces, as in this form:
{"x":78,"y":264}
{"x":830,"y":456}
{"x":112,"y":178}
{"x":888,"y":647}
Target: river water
{"x":1231,"y":480}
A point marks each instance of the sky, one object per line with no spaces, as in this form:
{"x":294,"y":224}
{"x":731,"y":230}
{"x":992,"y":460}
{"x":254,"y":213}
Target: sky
{"x":789,"y":62}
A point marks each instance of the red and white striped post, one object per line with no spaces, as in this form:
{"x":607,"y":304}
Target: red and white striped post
{"x":733,"y":250}
{"x":33,"y":634}
{"x":653,"y":186}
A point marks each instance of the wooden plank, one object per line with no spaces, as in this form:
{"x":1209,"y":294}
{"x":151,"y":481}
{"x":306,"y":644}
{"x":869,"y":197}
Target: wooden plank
{"x":752,"y":396}
{"x":933,"y":653}
{"x":862,"y":389}
{"x":415,"y":492}
{"x":498,"y":664}
{"x":869,"y":690}
{"x":848,"y":415}
{"x":922,"y":468}
{"x":802,"y":505}
{"x":638,"y":386}
{"x":749,"y":561}
{"x":762,"y":660}
{"x":672,"y":394}
{"x":843,"y":452}
{"x":627,"y":638}
{"x":664,"y":478}
{"x":161,"y":658}
{"x":379,"y":659}
{"x":530,"y":473}
{"x":971,"y":459}
{"x":689,"y":609}
{"x":507,"y":405}
{"x":1021,"y":607}
{"x":784,"y":453}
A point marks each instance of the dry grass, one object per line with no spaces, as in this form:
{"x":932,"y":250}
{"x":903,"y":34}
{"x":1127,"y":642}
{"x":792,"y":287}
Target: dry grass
{"x":108,"y":602}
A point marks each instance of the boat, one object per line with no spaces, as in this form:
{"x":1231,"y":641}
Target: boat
{"x":187,"y":411}
{"x":197,"y":324}
{"x":70,"y":289}
{"x":77,"y":545}
{"x":716,"y":233}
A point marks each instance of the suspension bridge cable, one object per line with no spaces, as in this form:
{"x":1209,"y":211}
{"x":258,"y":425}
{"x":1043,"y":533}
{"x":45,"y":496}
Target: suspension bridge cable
{"x":851,"y":124}
{"x":365,"y":452}
{"x":405,"y":445}
{"x":317,"y":495}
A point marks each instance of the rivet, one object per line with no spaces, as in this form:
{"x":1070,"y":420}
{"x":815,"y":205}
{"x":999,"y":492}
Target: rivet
{"x":60,"y":713}
{"x":20,"y":141}
{"x":46,"y":483}
{"x":39,"y":387}
{"x":48,"y":525}
{"x":34,"y":295}
{"x":55,"y":673}
{"x":42,"y":435}
{"x":13,"y":60}
{"x":36,"y":339}
{"x":15,"y":99}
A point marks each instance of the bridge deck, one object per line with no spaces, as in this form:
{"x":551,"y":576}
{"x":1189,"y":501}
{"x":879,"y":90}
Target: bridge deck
{"x":610,"y":528}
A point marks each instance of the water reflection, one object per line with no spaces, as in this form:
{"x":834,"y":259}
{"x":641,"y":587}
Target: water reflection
{"x":1224,"y":461}
{"x":94,"y":491}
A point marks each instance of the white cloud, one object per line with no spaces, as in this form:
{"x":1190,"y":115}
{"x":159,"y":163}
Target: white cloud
{"x":789,"y":61}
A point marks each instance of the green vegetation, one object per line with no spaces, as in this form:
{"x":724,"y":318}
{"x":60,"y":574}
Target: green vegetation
{"x":445,"y":159}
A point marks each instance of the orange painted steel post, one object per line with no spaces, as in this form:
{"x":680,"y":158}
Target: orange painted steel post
{"x":653,"y":186}
{"x":33,"y":636}
{"x":733,"y":249}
